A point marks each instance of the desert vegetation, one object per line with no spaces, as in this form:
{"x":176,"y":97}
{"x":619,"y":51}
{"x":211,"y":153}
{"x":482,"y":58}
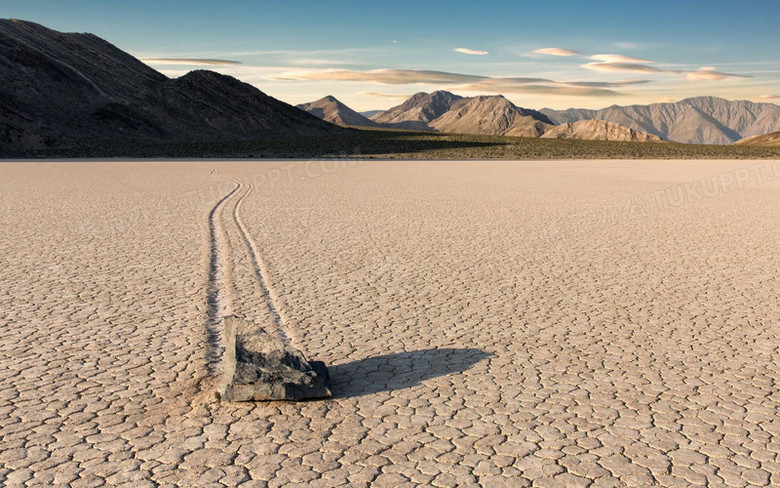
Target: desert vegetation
{"x":390,"y":144}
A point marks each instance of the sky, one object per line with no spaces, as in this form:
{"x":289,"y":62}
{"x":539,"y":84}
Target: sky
{"x":373,"y":54}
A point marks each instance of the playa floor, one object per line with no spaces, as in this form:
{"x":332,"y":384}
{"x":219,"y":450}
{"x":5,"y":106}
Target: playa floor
{"x":547,"y":323}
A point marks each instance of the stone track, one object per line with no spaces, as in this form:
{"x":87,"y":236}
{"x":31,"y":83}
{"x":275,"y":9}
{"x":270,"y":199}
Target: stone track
{"x":260,"y":269}
{"x":219,"y":299}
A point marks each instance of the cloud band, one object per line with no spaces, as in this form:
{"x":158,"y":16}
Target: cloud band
{"x":475,"y":52}
{"x":191,"y":61}
{"x":462,"y":81}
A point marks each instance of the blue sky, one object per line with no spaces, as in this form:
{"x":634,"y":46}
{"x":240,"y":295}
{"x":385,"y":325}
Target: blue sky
{"x":373,"y":54}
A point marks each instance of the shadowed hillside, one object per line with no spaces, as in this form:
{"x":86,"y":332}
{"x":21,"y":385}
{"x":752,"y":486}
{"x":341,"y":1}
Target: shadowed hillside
{"x":64,"y":90}
{"x":386,"y":144}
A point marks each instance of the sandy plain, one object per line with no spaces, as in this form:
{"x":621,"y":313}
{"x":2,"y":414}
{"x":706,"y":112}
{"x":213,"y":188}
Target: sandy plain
{"x":546,"y":323}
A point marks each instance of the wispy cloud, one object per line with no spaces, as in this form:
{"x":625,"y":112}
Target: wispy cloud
{"x":626,"y":45}
{"x":768,"y":96}
{"x":241,"y":54}
{"x":618,"y":58}
{"x":302,"y":52}
{"x":557,"y":51}
{"x":498,"y":85}
{"x":475,"y":52}
{"x":191,"y":61}
{"x":614,"y":63}
{"x":709,"y":73}
{"x":374,"y":94}
{"x":319,"y":62}
{"x":620,"y":63}
{"x":384,"y":76}
{"x":607,"y":83}
{"x":462,"y":81}
{"x":625,"y":67}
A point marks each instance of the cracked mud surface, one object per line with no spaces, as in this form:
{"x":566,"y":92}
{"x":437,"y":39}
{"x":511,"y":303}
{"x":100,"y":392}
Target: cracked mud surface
{"x":610,"y":323}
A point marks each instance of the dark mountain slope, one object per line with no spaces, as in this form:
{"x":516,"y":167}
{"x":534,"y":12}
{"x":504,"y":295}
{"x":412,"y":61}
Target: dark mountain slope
{"x":63,"y":90}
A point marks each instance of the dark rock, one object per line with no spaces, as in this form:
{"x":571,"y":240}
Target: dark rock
{"x":260,"y":366}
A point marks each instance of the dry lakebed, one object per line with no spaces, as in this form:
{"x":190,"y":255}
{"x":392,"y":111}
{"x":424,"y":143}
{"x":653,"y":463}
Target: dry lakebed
{"x":485,"y":323}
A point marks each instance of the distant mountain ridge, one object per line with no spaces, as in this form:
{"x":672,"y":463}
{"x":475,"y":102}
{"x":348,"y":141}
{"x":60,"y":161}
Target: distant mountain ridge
{"x":331,"y":110}
{"x":772,"y":140}
{"x":443,"y":111}
{"x":446,"y":112}
{"x":698,"y":120}
{"x":370,"y":113}
{"x":63,"y":90}
{"x":598,"y":130}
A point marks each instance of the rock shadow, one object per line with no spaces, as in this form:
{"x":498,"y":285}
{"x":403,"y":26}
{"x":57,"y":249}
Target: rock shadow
{"x":401,"y":370}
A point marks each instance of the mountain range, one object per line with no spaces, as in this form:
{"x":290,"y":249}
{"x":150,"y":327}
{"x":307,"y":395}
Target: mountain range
{"x":69,"y":90}
{"x":699,"y":120}
{"x":443,"y":111}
